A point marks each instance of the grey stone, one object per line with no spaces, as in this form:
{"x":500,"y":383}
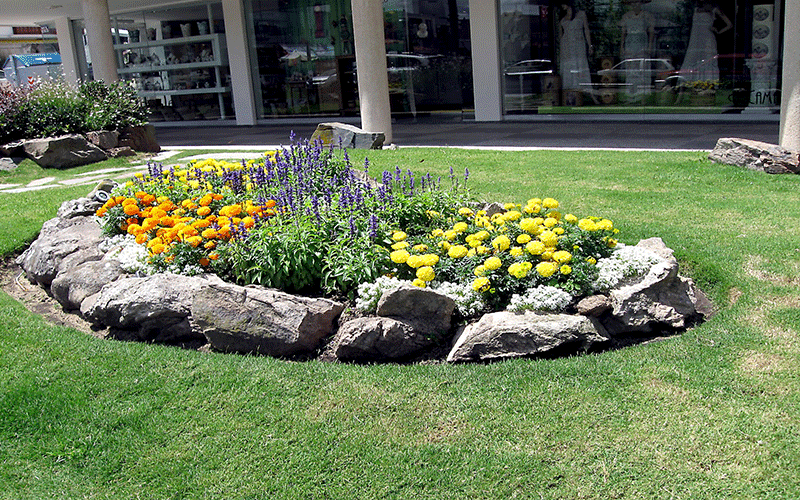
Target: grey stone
{"x":65,"y":151}
{"x":103,"y":139}
{"x":142,"y":139}
{"x":8,"y":164}
{"x":658,"y":247}
{"x":80,"y":207}
{"x":505,"y":335}
{"x":349,"y":136}
{"x":71,"y":287}
{"x":593,"y":305}
{"x":120,"y":152}
{"x":424,"y":309}
{"x":154,"y":308}
{"x":755,"y":155}
{"x":376,"y":339}
{"x":61,"y":243}
{"x":258,"y":320}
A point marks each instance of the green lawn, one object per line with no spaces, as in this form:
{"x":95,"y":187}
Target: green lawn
{"x":712,"y":413}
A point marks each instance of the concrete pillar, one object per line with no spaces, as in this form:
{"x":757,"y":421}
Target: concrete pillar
{"x":101,"y":46}
{"x":373,"y":80}
{"x":244,"y":104}
{"x":67,"y":49}
{"x":790,"y":81}
{"x":485,"y":41}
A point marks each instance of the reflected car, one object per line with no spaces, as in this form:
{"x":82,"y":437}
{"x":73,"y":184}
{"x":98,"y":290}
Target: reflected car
{"x":525,"y":77}
{"x":651,"y":71}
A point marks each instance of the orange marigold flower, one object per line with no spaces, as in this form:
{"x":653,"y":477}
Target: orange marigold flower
{"x":224,"y":232}
{"x":131,"y":209}
{"x":101,"y":211}
{"x":203,"y":211}
{"x":194,"y":241}
{"x":205,"y":200}
{"x":166,"y":221}
{"x":210,"y":245}
{"x":209,"y":234}
{"x":270,"y":203}
{"x":141,"y":238}
{"x":157,"y":249}
{"x":248,"y":222}
{"x":133,"y":229}
{"x":149,"y":224}
{"x":231,"y":210}
{"x":213,"y":256}
{"x":204,"y":262}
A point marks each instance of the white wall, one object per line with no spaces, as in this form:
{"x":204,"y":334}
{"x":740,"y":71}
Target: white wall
{"x":486,"y":78}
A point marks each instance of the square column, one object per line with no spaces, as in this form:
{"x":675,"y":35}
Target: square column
{"x":790,"y":87}
{"x":244,"y":103}
{"x":68,"y":51}
{"x":485,"y":41}
{"x":101,"y":47}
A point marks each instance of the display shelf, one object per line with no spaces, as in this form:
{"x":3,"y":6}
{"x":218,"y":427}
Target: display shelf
{"x":208,"y":90}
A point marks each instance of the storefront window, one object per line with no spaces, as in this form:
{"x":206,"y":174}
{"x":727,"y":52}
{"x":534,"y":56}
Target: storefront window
{"x":619,"y":55}
{"x":305,"y":56}
{"x":178,"y":60}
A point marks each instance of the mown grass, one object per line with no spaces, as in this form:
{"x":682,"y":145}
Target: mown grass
{"x":709,"y":414}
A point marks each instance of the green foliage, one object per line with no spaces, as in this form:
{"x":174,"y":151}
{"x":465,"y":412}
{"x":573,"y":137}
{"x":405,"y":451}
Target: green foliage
{"x":53,"y":107}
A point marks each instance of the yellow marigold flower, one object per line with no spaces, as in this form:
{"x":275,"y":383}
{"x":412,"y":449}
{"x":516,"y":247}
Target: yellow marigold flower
{"x":399,"y":256}
{"x":565,"y":269}
{"x":425,"y":273}
{"x":419,"y":283}
{"x":549,"y":238}
{"x":535,"y":248}
{"x":516,"y":251}
{"x":562,"y":257}
{"x":549,"y":203}
{"x":481,"y":250}
{"x":445,"y":245}
{"x":450,"y":235}
{"x":519,"y":269}
{"x":465,"y":212}
{"x":432,"y":214}
{"x":604,"y":225}
{"x":194,"y":184}
{"x":512,"y":215}
{"x":400,"y":245}
{"x":430,"y":259}
{"x":457,"y":251}
{"x":481,"y":284}
{"x":492,"y":263}
{"x":501,"y":243}
{"x":482,"y":235}
{"x":414,"y":261}
{"x":471,"y":252}
{"x":399,"y":236}
{"x":437,"y":232}
{"x":532,"y":208}
{"x":479,"y":271}
{"x":460,"y":227}
{"x":548,"y":253}
{"x":591,"y":260}
{"x":587,"y":225}
{"x":473,"y":242}
{"x":546,"y":269}
{"x":550,"y":222}
{"x":509,"y":206}
{"x":420,"y":248}
{"x":528,"y":224}
{"x":612,"y":242}
{"x":571,"y":218}
{"x":558,"y":230}
{"x":154,"y":241}
{"x":523,"y":238}
{"x":535,"y":201}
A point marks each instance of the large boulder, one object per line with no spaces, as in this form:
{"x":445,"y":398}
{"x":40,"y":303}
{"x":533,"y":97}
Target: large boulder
{"x":62,"y":244}
{"x":426,"y":310}
{"x":72,"y":286}
{"x":373,"y":338}
{"x":153,"y":308}
{"x":348,"y":136}
{"x":65,"y":151}
{"x":142,"y":139}
{"x":504,"y":335}
{"x":104,"y":139}
{"x":258,"y":320}
{"x":755,"y":155}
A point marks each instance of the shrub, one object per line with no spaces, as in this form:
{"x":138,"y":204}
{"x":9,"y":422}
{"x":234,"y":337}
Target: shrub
{"x":112,"y":107}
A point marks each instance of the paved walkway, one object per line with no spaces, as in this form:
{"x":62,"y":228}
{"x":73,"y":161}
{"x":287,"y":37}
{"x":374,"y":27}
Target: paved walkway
{"x":627,"y":133}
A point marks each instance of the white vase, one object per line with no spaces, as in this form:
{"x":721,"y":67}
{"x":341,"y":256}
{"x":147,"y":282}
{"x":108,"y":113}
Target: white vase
{"x":186,"y":29}
{"x":202,"y":27}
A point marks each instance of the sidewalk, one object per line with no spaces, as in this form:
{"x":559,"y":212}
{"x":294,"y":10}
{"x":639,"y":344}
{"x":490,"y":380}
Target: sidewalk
{"x":668,"y":132}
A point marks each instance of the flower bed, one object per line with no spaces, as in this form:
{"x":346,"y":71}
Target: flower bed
{"x":305,"y":221}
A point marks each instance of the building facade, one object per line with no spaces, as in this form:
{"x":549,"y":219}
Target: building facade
{"x":257,"y":60}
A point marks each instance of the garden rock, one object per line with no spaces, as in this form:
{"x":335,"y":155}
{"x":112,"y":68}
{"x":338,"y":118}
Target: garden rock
{"x":594,"y":305}
{"x":425,"y":310}
{"x":62,"y":243}
{"x":65,"y":151}
{"x":349,"y":136}
{"x":142,"y":139}
{"x":13,"y":149}
{"x":104,"y":139}
{"x":505,"y":335}
{"x":258,"y":320}
{"x":154,"y":308}
{"x":73,"y":285}
{"x":120,"y":152}
{"x":662,"y":300}
{"x":379,"y":339}
{"x":80,"y":207}
{"x":8,"y":164}
{"x":755,"y":155}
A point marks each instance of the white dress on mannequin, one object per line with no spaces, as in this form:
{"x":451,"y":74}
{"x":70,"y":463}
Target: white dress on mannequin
{"x":702,"y":46}
{"x":572,"y":54}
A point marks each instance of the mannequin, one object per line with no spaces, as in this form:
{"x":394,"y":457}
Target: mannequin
{"x":575,"y":37}
{"x":637,"y":43}
{"x":703,"y":42}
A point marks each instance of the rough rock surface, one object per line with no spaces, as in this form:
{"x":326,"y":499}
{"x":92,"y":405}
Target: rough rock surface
{"x":593,"y":305}
{"x":153,"y":308}
{"x":349,"y":136}
{"x":73,"y":285}
{"x":103,"y":139}
{"x":506,"y":335}
{"x":8,"y":164}
{"x":755,"y":155}
{"x":379,"y":339}
{"x":142,"y":139}
{"x":62,"y":243}
{"x":423,"y":309}
{"x":263,"y":321}
{"x":65,"y":151}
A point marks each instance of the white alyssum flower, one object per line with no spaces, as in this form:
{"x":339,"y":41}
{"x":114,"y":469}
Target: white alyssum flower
{"x":625,"y":262}
{"x":541,"y":298}
{"x":131,"y":255}
{"x":370,"y":293}
{"x":469,"y":302}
